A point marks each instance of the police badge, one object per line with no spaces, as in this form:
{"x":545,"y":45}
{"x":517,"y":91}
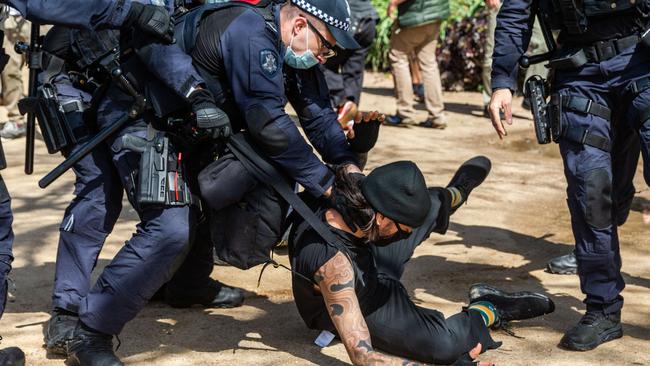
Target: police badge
{"x":269,"y":62}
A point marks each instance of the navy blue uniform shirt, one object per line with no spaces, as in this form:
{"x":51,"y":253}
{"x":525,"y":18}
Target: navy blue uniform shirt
{"x":90,"y":14}
{"x":253,"y":55}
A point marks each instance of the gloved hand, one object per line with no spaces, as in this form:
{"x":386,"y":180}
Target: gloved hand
{"x":365,"y":131}
{"x":153,"y":20}
{"x":210,"y":118}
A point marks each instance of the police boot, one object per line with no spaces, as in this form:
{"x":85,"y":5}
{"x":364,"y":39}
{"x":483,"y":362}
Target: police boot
{"x":60,"y":329}
{"x":12,"y":356}
{"x":214,"y":295}
{"x":594,"y":328}
{"x":469,"y":176}
{"x":91,"y":348}
{"x":565,"y":264}
{"x":512,"y":305}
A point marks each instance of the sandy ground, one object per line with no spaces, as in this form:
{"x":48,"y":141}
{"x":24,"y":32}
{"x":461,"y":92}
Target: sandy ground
{"x":512,"y":225}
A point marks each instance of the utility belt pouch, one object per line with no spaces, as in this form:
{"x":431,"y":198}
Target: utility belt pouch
{"x":569,"y":60}
{"x":160,"y":177}
{"x":535,"y":93}
{"x":50,"y":114}
{"x":555,"y":117}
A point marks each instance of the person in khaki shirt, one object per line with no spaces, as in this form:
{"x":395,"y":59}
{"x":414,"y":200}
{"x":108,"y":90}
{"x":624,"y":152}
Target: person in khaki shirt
{"x":416,"y":30}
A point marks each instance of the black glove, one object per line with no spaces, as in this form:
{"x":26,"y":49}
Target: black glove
{"x":210,"y":118}
{"x":365,"y":136}
{"x":153,"y":20}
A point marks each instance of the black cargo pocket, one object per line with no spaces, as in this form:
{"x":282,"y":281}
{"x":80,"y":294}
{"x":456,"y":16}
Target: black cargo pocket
{"x":599,"y":199}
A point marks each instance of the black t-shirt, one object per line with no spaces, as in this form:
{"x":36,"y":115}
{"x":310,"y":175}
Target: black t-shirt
{"x":309,"y":252}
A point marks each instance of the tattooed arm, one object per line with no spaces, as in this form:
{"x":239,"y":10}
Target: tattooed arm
{"x":336,"y":282}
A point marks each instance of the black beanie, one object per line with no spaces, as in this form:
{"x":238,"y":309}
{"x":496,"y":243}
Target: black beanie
{"x":398,"y":191}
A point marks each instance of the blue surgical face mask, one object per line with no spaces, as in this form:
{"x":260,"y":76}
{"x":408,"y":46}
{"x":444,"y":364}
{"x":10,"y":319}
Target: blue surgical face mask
{"x":305,"y":61}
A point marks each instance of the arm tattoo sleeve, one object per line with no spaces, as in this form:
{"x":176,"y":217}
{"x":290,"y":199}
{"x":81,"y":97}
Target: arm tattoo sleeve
{"x":336,"y":282}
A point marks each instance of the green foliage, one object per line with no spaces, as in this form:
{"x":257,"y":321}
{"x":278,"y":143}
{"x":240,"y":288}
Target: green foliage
{"x":378,"y":56}
{"x":463,"y":33}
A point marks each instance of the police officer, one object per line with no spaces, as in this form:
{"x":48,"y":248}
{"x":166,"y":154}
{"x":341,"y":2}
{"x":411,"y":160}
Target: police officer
{"x":97,"y":204}
{"x":85,"y":14}
{"x":240,"y":50}
{"x":300,"y":34}
{"x":344,"y":72}
{"x":600,"y":98}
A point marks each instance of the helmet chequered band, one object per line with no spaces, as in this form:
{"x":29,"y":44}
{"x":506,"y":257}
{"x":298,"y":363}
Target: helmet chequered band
{"x":328,"y":19}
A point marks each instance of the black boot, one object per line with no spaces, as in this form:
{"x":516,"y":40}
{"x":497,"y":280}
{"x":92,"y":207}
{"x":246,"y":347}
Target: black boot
{"x":512,"y":305}
{"x":594,"y":329}
{"x":12,"y":356}
{"x":565,"y":264}
{"x":469,"y":176}
{"x":215,"y":295}
{"x":91,"y":348}
{"x":60,"y":329}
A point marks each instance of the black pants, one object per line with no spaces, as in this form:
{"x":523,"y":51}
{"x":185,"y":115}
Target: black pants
{"x":403,"y":329}
{"x":344,"y":72}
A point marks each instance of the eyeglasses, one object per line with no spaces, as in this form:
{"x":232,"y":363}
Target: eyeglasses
{"x":330,"y":49}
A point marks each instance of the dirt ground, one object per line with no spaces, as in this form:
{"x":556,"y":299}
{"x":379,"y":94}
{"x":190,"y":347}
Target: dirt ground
{"x":511,"y":226}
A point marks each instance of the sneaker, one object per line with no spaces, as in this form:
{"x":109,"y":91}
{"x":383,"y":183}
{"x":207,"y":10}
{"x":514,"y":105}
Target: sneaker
{"x":215,"y":295}
{"x":12,"y":130}
{"x":396,"y":120}
{"x":594,"y":329}
{"x":418,"y":93}
{"x":470,"y":175}
{"x":12,"y":356}
{"x":60,"y":329}
{"x":565,"y":264}
{"x":512,"y":305}
{"x":435,"y":123}
{"x":91,"y":348}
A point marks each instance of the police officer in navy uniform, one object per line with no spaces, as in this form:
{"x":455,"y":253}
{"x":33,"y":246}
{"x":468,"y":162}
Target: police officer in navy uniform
{"x":93,"y":212}
{"x":163,"y":237}
{"x":600,"y":101}
{"x":255,"y":58}
{"x":246,"y":52}
{"x":83,"y":14}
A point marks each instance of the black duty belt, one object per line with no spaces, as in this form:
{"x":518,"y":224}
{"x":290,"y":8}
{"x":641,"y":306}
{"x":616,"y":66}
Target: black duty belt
{"x":605,"y":50}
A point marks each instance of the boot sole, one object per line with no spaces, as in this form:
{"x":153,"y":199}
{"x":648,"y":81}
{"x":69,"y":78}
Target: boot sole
{"x":561,"y":271}
{"x":609,"y":335}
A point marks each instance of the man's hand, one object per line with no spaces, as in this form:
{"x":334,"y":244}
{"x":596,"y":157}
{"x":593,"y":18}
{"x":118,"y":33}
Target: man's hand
{"x":475,"y":352}
{"x":209,"y":117}
{"x":492,"y":4}
{"x":391,"y":11}
{"x":501,"y":100}
{"x":152,"y":20}
{"x":346,"y":115}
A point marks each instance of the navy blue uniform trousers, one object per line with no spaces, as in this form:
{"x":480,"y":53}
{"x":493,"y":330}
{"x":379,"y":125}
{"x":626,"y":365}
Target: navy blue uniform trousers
{"x":600,"y":189}
{"x":6,"y":242}
{"x":146,"y":261}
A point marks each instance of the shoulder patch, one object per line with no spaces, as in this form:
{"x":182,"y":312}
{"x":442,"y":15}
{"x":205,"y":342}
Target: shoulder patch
{"x":269,"y":62}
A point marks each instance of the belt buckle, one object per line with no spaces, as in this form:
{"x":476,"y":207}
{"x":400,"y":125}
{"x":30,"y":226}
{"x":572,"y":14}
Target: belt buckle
{"x":583,"y":140}
{"x":76,"y":103}
{"x":605,"y":50}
